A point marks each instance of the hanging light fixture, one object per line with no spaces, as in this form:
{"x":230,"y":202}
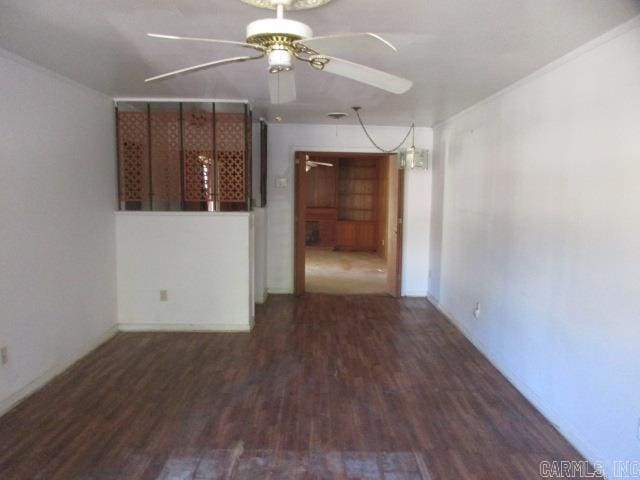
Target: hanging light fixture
{"x":411,"y":157}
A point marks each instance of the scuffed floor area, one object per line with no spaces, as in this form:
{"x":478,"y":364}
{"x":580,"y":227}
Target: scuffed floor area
{"x":344,"y":273}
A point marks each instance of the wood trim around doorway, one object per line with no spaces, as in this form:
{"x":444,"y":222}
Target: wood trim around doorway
{"x":300,"y":203}
{"x":300,"y":199}
{"x":400,"y":235}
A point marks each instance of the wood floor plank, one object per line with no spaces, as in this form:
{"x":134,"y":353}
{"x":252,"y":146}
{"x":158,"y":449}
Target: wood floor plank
{"x":324,"y":387}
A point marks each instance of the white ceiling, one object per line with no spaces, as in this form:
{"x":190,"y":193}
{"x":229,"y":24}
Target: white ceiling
{"x":457,"y":52}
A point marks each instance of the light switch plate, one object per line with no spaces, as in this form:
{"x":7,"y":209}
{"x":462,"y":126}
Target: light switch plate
{"x":282,"y":182}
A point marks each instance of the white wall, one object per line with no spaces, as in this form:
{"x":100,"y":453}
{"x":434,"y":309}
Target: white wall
{"x":537,"y":217}
{"x":201,"y":259}
{"x":260,"y":252}
{"x":285,"y":140}
{"x":57,"y":237}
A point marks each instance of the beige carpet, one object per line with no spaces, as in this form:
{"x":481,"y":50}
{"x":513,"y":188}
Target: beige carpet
{"x":344,"y":272}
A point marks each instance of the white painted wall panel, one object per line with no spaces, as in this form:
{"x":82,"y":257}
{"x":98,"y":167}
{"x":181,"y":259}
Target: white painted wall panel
{"x":204,"y":262}
{"x":57,"y":231}
{"x":260,"y":279}
{"x":537,"y":216}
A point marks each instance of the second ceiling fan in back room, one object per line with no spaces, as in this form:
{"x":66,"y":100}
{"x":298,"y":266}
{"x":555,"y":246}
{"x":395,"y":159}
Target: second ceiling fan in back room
{"x":283,"y":40}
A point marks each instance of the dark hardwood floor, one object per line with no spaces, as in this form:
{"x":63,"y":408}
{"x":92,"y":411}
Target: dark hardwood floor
{"x":324,"y":387}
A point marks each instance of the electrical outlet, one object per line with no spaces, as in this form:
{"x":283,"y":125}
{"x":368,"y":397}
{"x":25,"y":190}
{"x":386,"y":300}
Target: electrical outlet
{"x":164,"y":295}
{"x":476,"y":312}
{"x":4,"y":355}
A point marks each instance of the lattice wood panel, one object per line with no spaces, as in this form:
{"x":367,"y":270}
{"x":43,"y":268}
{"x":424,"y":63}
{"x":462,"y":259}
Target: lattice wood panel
{"x":165,"y":142}
{"x":231,"y":159}
{"x":133,"y":148}
{"x":230,"y":132}
{"x":198,"y":156}
{"x":231,"y":176}
{"x":165,"y":157}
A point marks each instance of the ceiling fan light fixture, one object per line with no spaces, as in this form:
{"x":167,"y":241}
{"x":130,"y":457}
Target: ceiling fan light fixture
{"x":279,"y":61}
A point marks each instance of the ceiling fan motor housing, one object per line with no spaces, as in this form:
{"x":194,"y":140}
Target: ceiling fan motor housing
{"x":277,"y":33}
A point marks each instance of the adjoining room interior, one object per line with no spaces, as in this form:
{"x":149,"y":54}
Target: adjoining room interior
{"x":325,"y":239}
{"x":349,"y":231}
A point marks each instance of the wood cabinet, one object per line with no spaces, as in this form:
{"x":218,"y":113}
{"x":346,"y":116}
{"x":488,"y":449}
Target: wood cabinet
{"x":358,"y":236}
{"x":320,"y":227}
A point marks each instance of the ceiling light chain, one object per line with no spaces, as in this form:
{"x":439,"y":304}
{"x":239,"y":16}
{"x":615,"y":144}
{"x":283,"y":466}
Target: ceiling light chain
{"x":411,"y":157}
{"x":366,"y":132}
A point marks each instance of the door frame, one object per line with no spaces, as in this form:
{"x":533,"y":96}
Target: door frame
{"x":300,"y":200}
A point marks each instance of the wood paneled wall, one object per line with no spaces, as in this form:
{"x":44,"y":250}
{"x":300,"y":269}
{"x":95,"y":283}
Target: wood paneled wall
{"x":322,"y":203}
{"x":322,"y":185}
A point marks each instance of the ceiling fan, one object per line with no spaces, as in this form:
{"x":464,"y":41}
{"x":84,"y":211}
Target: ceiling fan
{"x":281,"y":40}
{"x":313,"y":164}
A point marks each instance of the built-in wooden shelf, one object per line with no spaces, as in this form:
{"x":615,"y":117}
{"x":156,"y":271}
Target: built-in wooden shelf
{"x":343,"y":204}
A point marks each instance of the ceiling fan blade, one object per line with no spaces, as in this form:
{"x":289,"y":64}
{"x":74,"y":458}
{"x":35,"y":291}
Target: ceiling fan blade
{"x":364,"y":74}
{"x":337,"y":44}
{"x":209,"y":40}
{"x":282,"y":87}
{"x":203,"y":66}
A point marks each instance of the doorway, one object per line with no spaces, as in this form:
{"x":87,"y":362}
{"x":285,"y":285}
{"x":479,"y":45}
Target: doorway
{"x":348,"y":219}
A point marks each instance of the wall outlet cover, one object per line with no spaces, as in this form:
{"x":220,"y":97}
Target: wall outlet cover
{"x":164,"y":295}
{"x":4,"y":355}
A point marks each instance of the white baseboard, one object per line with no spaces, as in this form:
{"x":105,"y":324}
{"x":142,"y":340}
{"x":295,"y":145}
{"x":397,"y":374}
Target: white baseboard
{"x":184,"y":327}
{"x":260,"y":299}
{"x":15,"y":398}
{"x":415,"y":293}
{"x":570,"y":432}
{"x":280,"y":291}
